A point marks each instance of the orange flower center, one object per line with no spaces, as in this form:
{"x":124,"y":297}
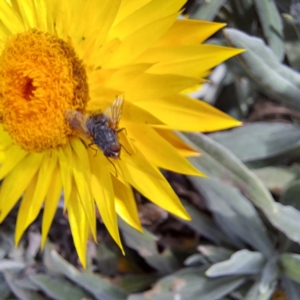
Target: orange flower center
{"x":41,"y":76}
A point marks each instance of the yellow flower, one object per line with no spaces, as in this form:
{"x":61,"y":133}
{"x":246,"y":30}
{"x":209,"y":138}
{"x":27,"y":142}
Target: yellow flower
{"x":60,"y":55}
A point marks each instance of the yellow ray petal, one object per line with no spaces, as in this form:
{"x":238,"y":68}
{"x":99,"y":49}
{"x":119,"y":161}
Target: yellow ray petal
{"x":159,"y":152}
{"x":126,"y":142}
{"x":20,"y":226}
{"x":194,"y":66}
{"x":103,"y":193}
{"x":102,"y":54}
{"x":93,"y":29}
{"x":62,"y":15}
{"x":10,"y":19}
{"x":126,"y":205}
{"x":4,"y":33}
{"x":65,"y":160}
{"x":154,"y":10}
{"x":155,"y":188}
{"x":6,"y":140}
{"x":28,"y":14}
{"x":150,"y":86}
{"x":42,"y":9}
{"x":17,"y":181}
{"x":30,"y":206}
{"x":143,"y":37}
{"x":187,"y":114}
{"x":125,"y":74}
{"x":127,"y":7}
{"x":78,"y":223}
{"x":137,"y":160}
{"x":184,"y":149}
{"x":14,"y":154}
{"x":82,"y":176}
{"x":51,"y":202}
{"x":189,"y":32}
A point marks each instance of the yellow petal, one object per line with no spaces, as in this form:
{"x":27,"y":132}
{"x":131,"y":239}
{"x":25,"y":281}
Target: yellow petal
{"x":150,"y":86}
{"x":20,"y":226}
{"x":65,"y":160}
{"x":41,"y":8}
{"x":187,"y":114}
{"x":14,"y":154}
{"x":155,"y":188}
{"x":10,"y":18}
{"x":184,"y":149}
{"x":107,"y":11}
{"x":159,"y":152}
{"x":143,"y":37}
{"x":92,"y":33}
{"x":126,"y":205}
{"x":119,"y":78}
{"x":6,"y":140}
{"x":51,"y":202}
{"x":189,"y":32}
{"x":82,"y":176}
{"x":62,"y":15}
{"x":154,"y":10}
{"x":78,"y":223}
{"x":28,"y":13}
{"x":17,"y":181}
{"x":193,"y":64}
{"x":103,"y":193}
{"x":30,"y":206}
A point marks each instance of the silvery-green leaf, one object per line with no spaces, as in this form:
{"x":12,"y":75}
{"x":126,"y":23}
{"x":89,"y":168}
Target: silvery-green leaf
{"x":6,"y":264}
{"x":287,"y":220}
{"x":272,"y":25}
{"x":292,"y":43}
{"x":276,"y":178}
{"x":207,"y":10}
{"x":58,"y":288}
{"x":190,"y":284}
{"x":99,"y":287}
{"x":277,"y":80}
{"x":291,"y":265}
{"x":202,"y":223}
{"x":234,"y":214}
{"x":295,"y":12}
{"x":255,"y":293}
{"x":261,"y":143}
{"x":219,"y":163}
{"x":4,"y":288}
{"x":196,"y":260}
{"x":242,"y":262}
{"x":21,"y":293}
{"x":145,"y":244}
{"x":216,"y":254}
{"x":269,"y":275}
{"x":291,"y":288}
{"x":290,"y":196}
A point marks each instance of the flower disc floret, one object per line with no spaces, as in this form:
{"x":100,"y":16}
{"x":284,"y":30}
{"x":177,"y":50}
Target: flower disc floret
{"x":41,"y":76}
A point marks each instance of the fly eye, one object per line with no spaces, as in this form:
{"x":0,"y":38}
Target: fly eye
{"x":115,"y":147}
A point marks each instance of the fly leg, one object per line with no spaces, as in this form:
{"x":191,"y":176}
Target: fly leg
{"x":90,"y":146}
{"x":122,"y":129}
{"x":113,"y":166}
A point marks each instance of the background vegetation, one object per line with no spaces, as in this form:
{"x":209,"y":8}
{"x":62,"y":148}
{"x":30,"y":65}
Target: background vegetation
{"x":243,"y":241}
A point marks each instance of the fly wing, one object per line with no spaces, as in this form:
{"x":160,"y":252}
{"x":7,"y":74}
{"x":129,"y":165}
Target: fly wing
{"x":78,"y":121}
{"x":114,"y":113}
